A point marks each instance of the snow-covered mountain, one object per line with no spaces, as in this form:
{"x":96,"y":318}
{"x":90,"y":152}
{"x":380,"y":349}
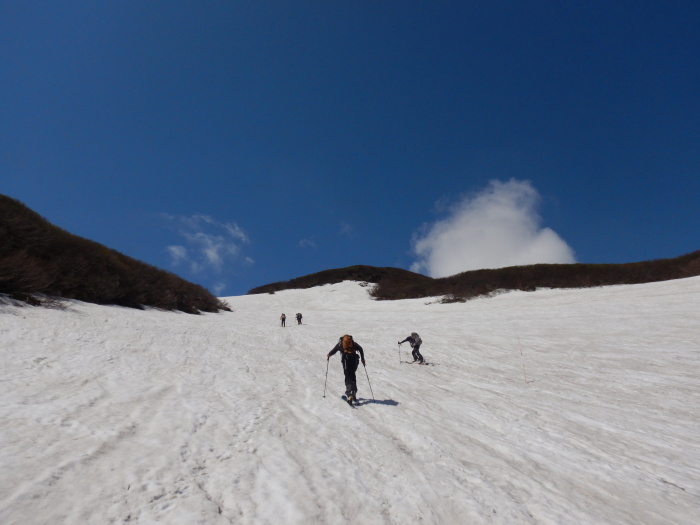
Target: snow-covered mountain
{"x":551,"y":407}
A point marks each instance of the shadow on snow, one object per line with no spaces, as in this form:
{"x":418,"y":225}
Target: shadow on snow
{"x":389,"y":402}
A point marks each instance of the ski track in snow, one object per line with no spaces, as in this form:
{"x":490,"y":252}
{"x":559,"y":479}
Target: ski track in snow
{"x":550,"y":407}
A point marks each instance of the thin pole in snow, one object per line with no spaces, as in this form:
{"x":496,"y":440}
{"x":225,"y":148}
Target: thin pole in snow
{"x":522,"y":360}
{"x":370,"y":384}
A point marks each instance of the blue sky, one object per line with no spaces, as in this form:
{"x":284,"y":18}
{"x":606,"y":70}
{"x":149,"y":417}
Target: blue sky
{"x":237,"y":143}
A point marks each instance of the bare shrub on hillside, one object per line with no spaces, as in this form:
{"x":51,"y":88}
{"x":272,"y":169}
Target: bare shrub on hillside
{"x":362,"y":273}
{"x":39,"y":258}
{"x":529,"y":278}
{"x":393,"y":283}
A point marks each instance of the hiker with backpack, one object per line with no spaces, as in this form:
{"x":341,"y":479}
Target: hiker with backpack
{"x":350,"y":361}
{"x":298,"y":318}
{"x":415,"y":341}
{"x":283,"y":318}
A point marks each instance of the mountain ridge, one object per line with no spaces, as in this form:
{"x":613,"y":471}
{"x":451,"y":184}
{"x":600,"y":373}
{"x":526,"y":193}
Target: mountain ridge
{"x":39,"y":259}
{"x":395,"y":283}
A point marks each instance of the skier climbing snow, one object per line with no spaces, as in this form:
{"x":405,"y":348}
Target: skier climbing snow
{"x":350,"y":361}
{"x":415,"y":341}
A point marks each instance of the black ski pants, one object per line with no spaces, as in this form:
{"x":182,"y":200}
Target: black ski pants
{"x":416,"y":354}
{"x":350,"y":364}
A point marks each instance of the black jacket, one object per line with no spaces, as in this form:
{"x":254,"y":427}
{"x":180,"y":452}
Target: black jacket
{"x":355,"y":349}
{"x":410,"y":340}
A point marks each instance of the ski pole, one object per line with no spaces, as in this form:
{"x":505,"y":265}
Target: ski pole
{"x":370,"y":384}
{"x":328,"y":360}
{"x":399,"y":353}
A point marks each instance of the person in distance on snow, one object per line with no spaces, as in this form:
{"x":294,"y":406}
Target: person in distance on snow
{"x":298,"y":318}
{"x":282,"y":319}
{"x":415,"y":341}
{"x":350,"y":361}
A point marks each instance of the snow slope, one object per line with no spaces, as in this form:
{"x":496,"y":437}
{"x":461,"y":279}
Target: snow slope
{"x":551,"y":407}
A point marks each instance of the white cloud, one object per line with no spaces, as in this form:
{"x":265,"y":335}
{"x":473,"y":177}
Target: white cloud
{"x":346,"y":229}
{"x":177,"y":253}
{"x":495,"y":228}
{"x":307,"y":243}
{"x":236,"y":232}
{"x":212,"y":248}
{"x":210,"y":244}
{"x":218,"y":288}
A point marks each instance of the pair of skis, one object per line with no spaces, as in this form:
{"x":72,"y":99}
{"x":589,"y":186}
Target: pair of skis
{"x":413,"y":362}
{"x":418,"y":363}
{"x":353,"y":405}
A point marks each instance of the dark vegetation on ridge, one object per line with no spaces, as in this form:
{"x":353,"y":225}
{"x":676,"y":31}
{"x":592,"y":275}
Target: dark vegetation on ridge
{"x":394,"y":283}
{"x":371,"y":274}
{"x":39,"y":260}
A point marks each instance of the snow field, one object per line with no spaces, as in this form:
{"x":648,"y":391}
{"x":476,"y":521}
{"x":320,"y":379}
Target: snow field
{"x":557,"y":406}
